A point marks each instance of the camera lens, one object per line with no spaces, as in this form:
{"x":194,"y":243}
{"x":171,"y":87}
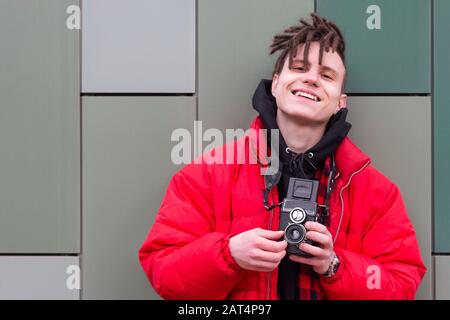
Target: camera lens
{"x":295,"y":233}
{"x":297,"y":215}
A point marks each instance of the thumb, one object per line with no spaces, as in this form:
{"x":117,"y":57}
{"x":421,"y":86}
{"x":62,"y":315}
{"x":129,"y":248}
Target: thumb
{"x":270,"y":234}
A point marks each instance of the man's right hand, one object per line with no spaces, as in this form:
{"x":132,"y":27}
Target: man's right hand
{"x":258,"y":249}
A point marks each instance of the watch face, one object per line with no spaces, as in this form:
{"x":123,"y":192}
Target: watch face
{"x":334,"y":266}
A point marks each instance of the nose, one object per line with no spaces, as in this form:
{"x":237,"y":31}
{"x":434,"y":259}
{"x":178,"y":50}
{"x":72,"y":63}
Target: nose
{"x":311,"y":77}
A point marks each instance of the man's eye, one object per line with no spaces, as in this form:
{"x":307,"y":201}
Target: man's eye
{"x":326,"y":76}
{"x":299,"y":68}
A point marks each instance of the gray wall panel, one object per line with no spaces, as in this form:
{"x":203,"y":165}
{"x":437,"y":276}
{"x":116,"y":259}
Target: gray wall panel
{"x":39,"y":128}
{"x":138,"y":46}
{"x":39,"y":277}
{"x":126,"y":170}
{"x":442,"y":266}
{"x":396,"y":133}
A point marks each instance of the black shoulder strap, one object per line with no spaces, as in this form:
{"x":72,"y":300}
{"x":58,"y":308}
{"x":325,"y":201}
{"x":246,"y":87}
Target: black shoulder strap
{"x":271,"y":181}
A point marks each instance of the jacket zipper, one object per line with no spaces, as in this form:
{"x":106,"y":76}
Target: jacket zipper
{"x":342,"y":200}
{"x":270,"y":228}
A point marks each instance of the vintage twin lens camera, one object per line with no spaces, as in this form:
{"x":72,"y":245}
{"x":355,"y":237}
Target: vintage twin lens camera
{"x":298,"y":207}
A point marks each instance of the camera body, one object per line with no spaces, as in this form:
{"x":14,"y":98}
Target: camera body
{"x":299,"y":206}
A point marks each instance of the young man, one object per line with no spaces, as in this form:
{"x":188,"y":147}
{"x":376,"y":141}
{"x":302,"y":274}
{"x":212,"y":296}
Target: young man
{"x":217,"y":234}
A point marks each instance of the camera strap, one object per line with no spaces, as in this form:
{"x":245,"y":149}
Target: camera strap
{"x":271,"y":181}
{"x":325,"y":207}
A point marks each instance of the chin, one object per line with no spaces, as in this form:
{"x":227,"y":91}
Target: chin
{"x":306,"y":118}
{"x":300,"y":112}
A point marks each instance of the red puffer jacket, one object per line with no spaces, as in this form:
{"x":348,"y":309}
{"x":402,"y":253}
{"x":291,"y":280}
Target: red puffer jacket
{"x":186,"y":254}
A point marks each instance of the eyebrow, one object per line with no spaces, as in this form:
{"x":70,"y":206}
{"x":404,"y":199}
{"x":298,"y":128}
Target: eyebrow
{"x":323,"y":67}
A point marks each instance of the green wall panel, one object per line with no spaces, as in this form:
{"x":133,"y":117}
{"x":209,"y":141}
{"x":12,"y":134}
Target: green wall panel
{"x":39,"y":128}
{"x":126,"y":170}
{"x":387,"y":49}
{"x":441,"y":101}
{"x":233,"y":54}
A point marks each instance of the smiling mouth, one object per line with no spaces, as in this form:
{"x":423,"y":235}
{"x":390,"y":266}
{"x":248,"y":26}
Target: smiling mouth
{"x":299,"y":93}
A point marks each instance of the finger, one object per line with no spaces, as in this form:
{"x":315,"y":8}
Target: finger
{"x":315,"y":226}
{"x":270,"y":234}
{"x":272,"y":246}
{"x":274,"y":257}
{"x":320,"y":238}
{"x":312,"y":250}
{"x":309,"y":261}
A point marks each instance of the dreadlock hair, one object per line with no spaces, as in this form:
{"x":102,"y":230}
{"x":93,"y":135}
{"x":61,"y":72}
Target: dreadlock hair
{"x":325,"y":32}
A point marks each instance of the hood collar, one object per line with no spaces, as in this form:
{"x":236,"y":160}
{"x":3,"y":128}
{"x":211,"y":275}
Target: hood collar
{"x":349,"y":158}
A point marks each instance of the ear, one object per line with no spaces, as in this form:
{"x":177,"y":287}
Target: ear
{"x":274,"y":83}
{"x":342,"y":103}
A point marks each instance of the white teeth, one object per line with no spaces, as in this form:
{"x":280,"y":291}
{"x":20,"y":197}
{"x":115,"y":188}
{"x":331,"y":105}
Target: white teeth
{"x":306,"y":95}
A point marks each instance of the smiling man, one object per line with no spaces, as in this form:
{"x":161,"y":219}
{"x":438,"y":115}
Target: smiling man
{"x":221,"y":230}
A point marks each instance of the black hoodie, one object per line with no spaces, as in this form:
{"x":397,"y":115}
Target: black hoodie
{"x":296,"y":165}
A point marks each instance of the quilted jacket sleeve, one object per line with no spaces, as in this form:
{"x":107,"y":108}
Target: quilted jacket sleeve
{"x":389,"y":265}
{"x":183,"y":257}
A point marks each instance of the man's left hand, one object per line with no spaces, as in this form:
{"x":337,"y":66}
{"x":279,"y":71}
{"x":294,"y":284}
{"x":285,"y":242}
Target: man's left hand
{"x":321,"y":256}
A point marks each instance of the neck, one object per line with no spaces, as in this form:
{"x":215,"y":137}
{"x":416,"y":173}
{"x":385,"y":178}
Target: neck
{"x":299,"y":136}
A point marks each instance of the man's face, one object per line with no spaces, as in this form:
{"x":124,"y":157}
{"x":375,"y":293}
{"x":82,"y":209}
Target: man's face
{"x":312,"y":95}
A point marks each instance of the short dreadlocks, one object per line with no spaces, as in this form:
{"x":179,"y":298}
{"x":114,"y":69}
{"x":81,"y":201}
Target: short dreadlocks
{"x":321,"y":30}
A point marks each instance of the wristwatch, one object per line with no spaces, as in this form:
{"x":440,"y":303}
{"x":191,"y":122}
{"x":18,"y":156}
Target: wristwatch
{"x":333,"y":268}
